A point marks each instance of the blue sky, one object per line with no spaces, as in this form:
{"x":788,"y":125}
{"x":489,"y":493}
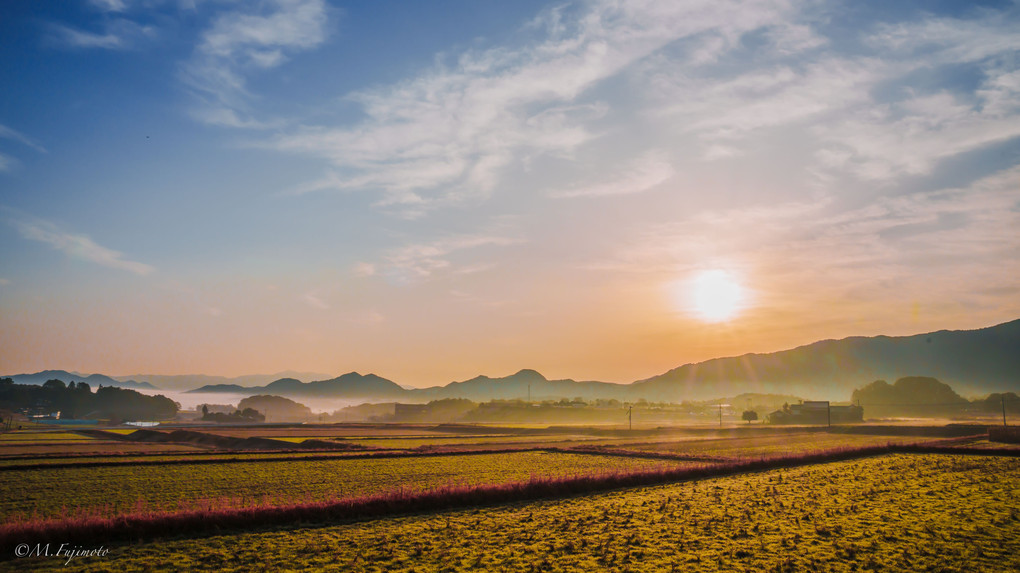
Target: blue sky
{"x":432,"y":190}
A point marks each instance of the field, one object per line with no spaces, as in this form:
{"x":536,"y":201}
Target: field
{"x":875,"y":510}
{"x":759,"y":446}
{"x":898,"y":512}
{"x":47,"y":492}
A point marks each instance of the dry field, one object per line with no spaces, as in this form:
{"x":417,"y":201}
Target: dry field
{"x":879,"y":512}
{"x":53,"y":492}
{"x":887,"y":513}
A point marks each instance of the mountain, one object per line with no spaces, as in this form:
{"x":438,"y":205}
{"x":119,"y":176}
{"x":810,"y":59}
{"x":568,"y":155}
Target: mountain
{"x":520,"y":386}
{"x":95,"y":380}
{"x":190,"y":381}
{"x":971,"y":361}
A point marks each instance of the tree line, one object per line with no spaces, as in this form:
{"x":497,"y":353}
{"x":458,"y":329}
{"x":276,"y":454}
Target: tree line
{"x":77,"y":400}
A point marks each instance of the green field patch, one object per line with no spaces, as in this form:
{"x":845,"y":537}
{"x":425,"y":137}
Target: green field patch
{"x":23,"y":437}
{"x":889,"y":513}
{"x":471,"y":439}
{"x":52,"y":492}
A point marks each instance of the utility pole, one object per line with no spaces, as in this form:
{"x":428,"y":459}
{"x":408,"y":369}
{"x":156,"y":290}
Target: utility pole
{"x":630,"y":417}
{"x":720,"y":415}
{"x":1003,"y":398}
{"x":828,"y":413}
{"x":529,"y":393}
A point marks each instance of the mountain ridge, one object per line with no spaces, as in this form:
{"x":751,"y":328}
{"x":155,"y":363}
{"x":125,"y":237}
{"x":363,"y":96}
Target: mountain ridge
{"x":972,"y":361}
{"x":93,"y":380}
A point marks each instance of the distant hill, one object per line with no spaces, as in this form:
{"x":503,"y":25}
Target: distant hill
{"x":277,"y":408}
{"x":971,"y":361}
{"x":350,"y":386}
{"x":189,"y":381}
{"x":909,"y":396}
{"x":94,"y":380}
{"x":516,"y":387}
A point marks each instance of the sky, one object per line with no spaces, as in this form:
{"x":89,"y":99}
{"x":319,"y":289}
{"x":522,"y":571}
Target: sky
{"x":599,"y":190}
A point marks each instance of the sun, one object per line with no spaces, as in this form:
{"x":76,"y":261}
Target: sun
{"x":715,"y":296}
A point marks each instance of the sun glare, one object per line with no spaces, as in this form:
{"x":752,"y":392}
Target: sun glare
{"x":715,"y":296}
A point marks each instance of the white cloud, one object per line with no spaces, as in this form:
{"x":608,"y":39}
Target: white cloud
{"x":449,"y":133}
{"x":647,"y":172}
{"x":76,"y":246}
{"x":253,"y":38}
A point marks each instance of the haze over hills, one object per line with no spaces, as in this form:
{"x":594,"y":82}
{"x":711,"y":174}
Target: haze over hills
{"x":93,"y":380}
{"x":972,"y":361}
{"x":189,"y":381}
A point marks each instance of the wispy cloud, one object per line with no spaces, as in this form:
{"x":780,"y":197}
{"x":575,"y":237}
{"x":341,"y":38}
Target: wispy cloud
{"x":117,"y":34}
{"x":75,"y":246}
{"x":419,"y":261}
{"x":363,"y":269}
{"x":8,"y":133}
{"x":779,"y":95}
{"x":7,"y":163}
{"x":910,"y":136}
{"x":451,"y":132}
{"x":648,"y":171}
{"x":918,"y":126}
{"x":313,"y":300}
{"x":110,"y":5}
{"x":250,"y":39}
{"x":930,"y":246}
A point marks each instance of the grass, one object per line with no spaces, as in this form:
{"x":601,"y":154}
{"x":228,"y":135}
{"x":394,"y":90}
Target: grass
{"x":896,"y":512}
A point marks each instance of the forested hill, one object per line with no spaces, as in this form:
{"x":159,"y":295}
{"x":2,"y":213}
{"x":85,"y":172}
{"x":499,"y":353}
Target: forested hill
{"x":971,"y":361}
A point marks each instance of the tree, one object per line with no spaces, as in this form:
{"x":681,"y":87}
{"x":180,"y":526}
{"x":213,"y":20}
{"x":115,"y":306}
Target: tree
{"x":205,"y":410}
{"x":750,"y":416}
